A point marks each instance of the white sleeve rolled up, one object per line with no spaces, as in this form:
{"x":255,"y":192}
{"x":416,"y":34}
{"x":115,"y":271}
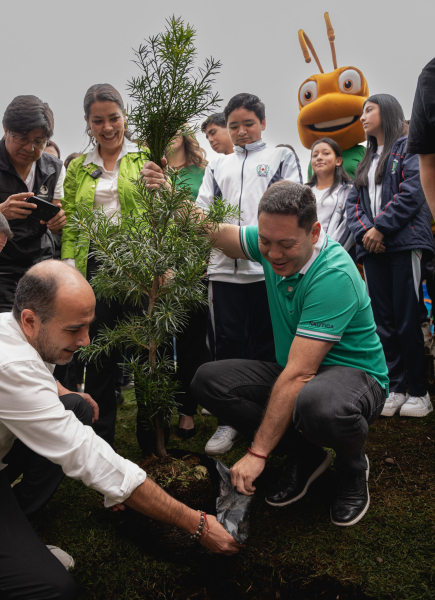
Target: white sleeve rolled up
{"x":30,"y":410}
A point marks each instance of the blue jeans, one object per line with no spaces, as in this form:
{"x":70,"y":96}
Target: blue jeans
{"x":334,"y":409}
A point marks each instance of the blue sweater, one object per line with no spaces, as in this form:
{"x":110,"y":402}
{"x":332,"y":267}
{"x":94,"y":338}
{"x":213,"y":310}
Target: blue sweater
{"x":404,"y":218}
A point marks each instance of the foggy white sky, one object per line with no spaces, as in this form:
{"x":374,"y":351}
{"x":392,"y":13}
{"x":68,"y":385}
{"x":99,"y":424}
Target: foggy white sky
{"x":57,"y":49}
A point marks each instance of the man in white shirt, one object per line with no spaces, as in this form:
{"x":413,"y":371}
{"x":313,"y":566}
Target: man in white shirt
{"x":54,"y":306}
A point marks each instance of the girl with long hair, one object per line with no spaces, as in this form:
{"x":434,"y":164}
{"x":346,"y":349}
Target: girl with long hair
{"x":185,"y":153}
{"x":331,"y":185}
{"x":389,"y":217}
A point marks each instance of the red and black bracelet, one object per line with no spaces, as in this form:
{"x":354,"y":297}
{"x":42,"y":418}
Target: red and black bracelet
{"x":258,"y":455}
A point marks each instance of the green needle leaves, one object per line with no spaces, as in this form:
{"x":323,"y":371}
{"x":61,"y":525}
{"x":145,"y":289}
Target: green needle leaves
{"x":168,"y":92}
{"x":156,"y":256}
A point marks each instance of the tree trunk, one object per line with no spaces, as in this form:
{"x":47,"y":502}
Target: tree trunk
{"x":160,"y":438}
{"x":160,"y":434}
{"x":159,"y":431}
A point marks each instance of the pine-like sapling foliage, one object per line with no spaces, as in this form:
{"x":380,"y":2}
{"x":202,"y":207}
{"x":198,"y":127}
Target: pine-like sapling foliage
{"x":168,"y":93}
{"x":155,"y":257}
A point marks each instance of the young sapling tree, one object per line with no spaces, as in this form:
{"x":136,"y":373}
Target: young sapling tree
{"x":156,"y":256}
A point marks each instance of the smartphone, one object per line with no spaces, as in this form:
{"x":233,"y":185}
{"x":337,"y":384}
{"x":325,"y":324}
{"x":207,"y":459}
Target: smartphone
{"x":44,"y":210}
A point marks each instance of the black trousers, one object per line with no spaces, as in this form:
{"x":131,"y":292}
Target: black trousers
{"x":8,"y":285}
{"x":393,"y":283}
{"x":66,"y":375}
{"x":102,"y":375}
{"x":333,"y":410}
{"x":41,"y":477}
{"x":28,"y":570}
{"x":242,"y":324}
{"x":191,"y":354}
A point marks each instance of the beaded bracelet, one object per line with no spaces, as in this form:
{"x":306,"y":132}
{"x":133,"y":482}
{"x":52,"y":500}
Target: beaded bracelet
{"x":208,"y":526}
{"x":197,"y":534}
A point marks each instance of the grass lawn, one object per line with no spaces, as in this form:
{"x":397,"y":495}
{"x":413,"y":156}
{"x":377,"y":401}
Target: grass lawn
{"x":293,"y":552}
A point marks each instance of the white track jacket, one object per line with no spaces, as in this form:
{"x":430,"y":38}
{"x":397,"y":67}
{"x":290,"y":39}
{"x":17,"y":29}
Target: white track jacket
{"x":241,"y":179}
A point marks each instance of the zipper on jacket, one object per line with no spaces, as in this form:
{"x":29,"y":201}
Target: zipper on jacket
{"x":241,"y":192}
{"x":337,"y":205}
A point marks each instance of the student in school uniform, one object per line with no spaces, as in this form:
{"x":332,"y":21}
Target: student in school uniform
{"x":390,"y":219}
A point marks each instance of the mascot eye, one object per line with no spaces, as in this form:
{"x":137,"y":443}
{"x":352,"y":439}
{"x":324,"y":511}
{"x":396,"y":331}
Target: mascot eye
{"x":308,"y":92}
{"x":349,"y":81}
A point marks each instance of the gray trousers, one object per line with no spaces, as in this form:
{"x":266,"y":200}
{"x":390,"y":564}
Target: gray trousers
{"x":333,"y":410}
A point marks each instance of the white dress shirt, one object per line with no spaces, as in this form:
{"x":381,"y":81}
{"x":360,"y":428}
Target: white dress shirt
{"x":106,"y":192}
{"x":30,"y":410}
{"x":375,"y":191}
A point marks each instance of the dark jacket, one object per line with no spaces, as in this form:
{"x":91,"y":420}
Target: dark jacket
{"x":32,"y":242}
{"x":405,"y":218}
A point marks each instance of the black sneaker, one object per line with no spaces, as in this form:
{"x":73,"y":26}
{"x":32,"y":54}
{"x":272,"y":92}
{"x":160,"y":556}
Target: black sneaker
{"x":298,"y":476}
{"x":352,"y":500}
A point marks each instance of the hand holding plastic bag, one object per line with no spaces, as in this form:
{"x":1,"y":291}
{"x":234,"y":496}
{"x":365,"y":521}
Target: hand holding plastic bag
{"x":232,"y":508}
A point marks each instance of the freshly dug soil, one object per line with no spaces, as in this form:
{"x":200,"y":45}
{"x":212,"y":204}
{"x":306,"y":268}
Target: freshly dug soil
{"x":184,"y":479}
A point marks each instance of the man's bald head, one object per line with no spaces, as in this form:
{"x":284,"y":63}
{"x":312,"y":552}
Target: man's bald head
{"x":48,"y":287}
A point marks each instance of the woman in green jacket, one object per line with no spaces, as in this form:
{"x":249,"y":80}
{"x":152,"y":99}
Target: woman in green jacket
{"x":102,"y":179}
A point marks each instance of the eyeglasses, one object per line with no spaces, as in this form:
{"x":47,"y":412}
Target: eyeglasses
{"x":22,"y":140}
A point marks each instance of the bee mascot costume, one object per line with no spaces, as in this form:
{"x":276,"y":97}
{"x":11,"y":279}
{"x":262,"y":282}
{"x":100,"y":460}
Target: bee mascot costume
{"x":330,"y":105}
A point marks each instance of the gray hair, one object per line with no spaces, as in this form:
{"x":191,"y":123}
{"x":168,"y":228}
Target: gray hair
{"x":4,"y":227}
{"x":289,"y":198}
{"x":37,"y":293}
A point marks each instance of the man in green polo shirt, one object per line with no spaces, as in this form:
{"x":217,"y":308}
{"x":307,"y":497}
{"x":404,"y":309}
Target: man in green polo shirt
{"x":330,"y":382}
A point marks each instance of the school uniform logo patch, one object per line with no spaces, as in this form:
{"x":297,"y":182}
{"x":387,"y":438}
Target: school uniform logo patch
{"x":263,"y":170}
{"x":394,"y":166}
{"x":43,"y":191}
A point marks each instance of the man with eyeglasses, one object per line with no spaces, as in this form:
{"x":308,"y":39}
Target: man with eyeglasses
{"x":26,"y":171}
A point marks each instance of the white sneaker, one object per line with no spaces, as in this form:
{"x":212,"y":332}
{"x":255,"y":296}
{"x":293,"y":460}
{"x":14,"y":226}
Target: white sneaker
{"x":393,"y":404}
{"x":65,"y":559}
{"x":416,"y":406}
{"x":205,"y":412}
{"x":128,"y":386}
{"x":223,"y":440}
